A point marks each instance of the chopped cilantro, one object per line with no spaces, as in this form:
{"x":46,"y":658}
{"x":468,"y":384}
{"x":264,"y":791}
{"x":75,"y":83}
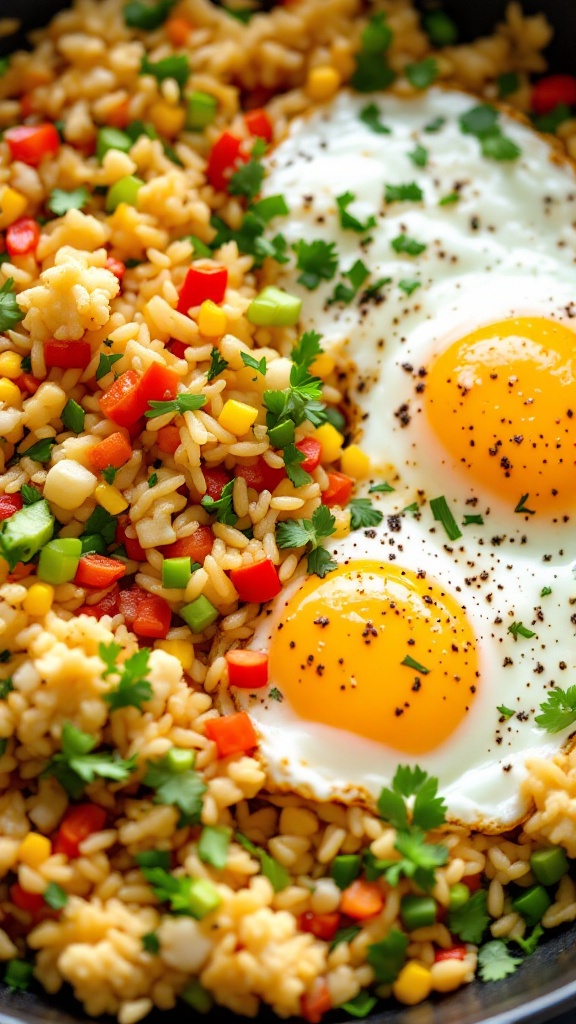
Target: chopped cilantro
{"x":73,"y":416}
{"x":76,"y":766}
{"x":442,"y":514}
{"x":176,"y":67}
{"x":307,"y":349}
{"x":495,"y":961}
{"x":508,"y":83}
{"x":361,"y":1005}
{"x":469,"y":922}
{"x":6,"y":687}
{"x":293,"y":457}
{"x":372,"y":70}
{"x":388,"y":956}
{"x":276,"y":694}
{"x":213,"y":845}
{"x":504,"y":711}
{"x":222,"y":507}
{"x":473,"y":520}
{"x":30,"y":495}
{"x":521,"y":506}
{"x":195,"y":897}
{"x":552,"y":121}
{"x":449,"y":199}
{"x":296,"y":533}
{"x":409,"y":285}
{"x":345,"y":935}
{"x":55,"y":896}
{"x":181,"y":404}
{"x":133,"y":689}
{"x":404,"y":244}
{"x":545,"y":591}
{"x":382,"y":488}
{"x":347,"y":220}
{"x":363,"y":514}
{"x":109,"y":474}
{"x":357,"y":275}
{"x":259,"y":365}
{"x":247,"y":180}
{"x":419,"y":156}
{"x":500,"y":147}
{"x":558,"y":710}
{"x":411,"y":663}
{"x":60,"y":201}
{"x":151,"y":943}
{"x":374,"y":291}
{"x":154,"y":859}
{"x":528,"y":945}
{"x":100,"y":521}
{"x":440,"y":28}
{"x":217,"y":364}
{"x":10,"y":312}
{"x":147,"y":16}
{"x":298,"y":402}
{"x":482,"y":122}
{"x":370,"y":115}
{"x":317,"y":260}
{"x":183,"y":790}
{"x":435,"y":125}
{"x":106,"y":363}
{"x":518,"y":629}
{"x":275,"y":873}
{"x":410,"y":192}
{"x":422,"y":73}
{"x":153,"y":480}
{"x":419,"y":858}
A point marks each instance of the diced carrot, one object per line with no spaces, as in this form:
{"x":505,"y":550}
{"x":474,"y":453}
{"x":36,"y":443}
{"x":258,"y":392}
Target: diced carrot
{"x":338,"y":491}
{"x":224,"y":157}
{"x":178,"y":30}
{"x":258,"y":582}
{"x":78,"y":823}
{"x":153,"y":617}
{"x":196,"y":546}
{"x":232,"y":734}
{"x":362,"y":899}
{"x":169,"y":439}
{"x":316,"y":1003}
{"x":247,"y":669}
{"x":114,"y":451}
{"x":323,"y":926}
{"x":98,"y":571}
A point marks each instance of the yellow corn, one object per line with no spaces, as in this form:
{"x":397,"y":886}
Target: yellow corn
{"x":34,"y":850}
{"x":342,"y":522}
{"x":10,"y":365}
{"x":322,"y":82}
{"x":322,"y":366}
{"x":331,"y":441}
{"x":111,"y":499}
{"x":237,"y":417}
{"x":211,"y":319}
{"x":181,"y":649}
{"x":168,"y":120}
{"x":413,"y":984}
{"x":9,"y":393}
{"x":354,"y":462}
{"x":38,"y":600}
{"x":12,"y":205}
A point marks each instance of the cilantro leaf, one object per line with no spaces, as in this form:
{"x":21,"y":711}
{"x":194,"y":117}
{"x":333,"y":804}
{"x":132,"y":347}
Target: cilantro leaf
{"x":500,"y":147}
{"x":254,"y":364}
{"x":217,"y":364}
{"x":361,"y":1005}
{"x":276,"y":873}
{"x":422,"y":73}
{"x":558,"y":710}
{"x":10,"y":312}
{"x":475,"y":519}
{"x":440,"y":28}
{"x":247,"y":180}
{"x":435,"y":125}
{"x":30,"y":495}
{"x":347,"y":220}
{"x":292,"y":459}
{"x":370,"y":115}
{"x":106,"y":363}
{"x":298,"y":402}
{"x":39,"y":452}
{"x":296,"y":533}
{"x":470,"y":921}
{"x":410,"y":192}
{"x":345,"y":935}
{"x":543,"y":593}
{"x":320,"y":562}
{"x":133,"y":688}
{"x":307,"y":349}
{"x":363,"y":514}
{"x":419,"y":858}
{"x":518,"y":629}
{"x":75,"y":766}
{"x":181,"y":404}
{"x":183,"y":790}
{"x":108,"y":653}
{"x":449,"y":199}
{"x":317,"y":260}
{"x":409,"y":285}
{"x":222,"y":507}
{"x":109,"y":474}
{"x":60,"y":201}
{"x":213,"y":845}
{"x":504,"y":711}
{"x":419,"y":156}
{"x":373,"y":71}
{"x":482,"y":121}
{"x":100,"y":521}
{"x":495,"y":961}
{"x":357,"y":275}
{"x":388,"y":956}
{"x":429,"y":810}
{"x":383,"y":488}
{"x":528,"y":945}
{"x":195,"y":897}
{"x":403,"y":244}
{"x":147,"y":16}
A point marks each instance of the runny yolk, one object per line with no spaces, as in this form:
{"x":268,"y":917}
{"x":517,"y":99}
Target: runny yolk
{"x":339,"y":656}
{"x":502,"y":401}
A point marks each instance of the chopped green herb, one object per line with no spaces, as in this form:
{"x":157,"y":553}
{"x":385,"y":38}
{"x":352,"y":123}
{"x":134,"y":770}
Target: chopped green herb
{"x":101,"y":522}
{"x":419,"y":858}
{"x":3,"y":747}
{"x":500,"y":147}
{"x":213,"y":845}
{"x":181,"y":789}
{"x":176,"y":67}
{"x":347,"y":220}
{"x":18,"y":975}
{"x":133,"y":688}
{"x":199,"y":248}
{"x":147,"y":16}
{"x":270,"y":207}
{"x":4,"y":65}
{"x":528,"y":944}
{"x":106,"y":363}
{"x":73,"y":416}
{"x":504,"y":711}
{"x":26,"y":364}
{"x":373,"y":71}
{"x":370,"y":115}
{"x":409,"y":193}
{"x":411,"y":663}
{"x":558,"y":710}
{"x":363,"y":514}
{"x":55,"y":896}
{"x":450,"y":199}
{"x":495,"y":961}
{"x":552,"y":121}
{"x":419,"y":156}
{"x":181,"y":404}
{"x":388,"y":956}
{"x":469,"y":922}
{"x":217,"y":364}
{"x":60,"y":201}
{"x":403,"y":244}
{"x":422,"y":73}
{"x":345,"y":935}
{"x":254,"y":364}
{"x":382,"y":488}
{"x":153,"y":480}
{"x":518,"y":629}
{"x":39,"y":452}
{"x":275,"y":694}
{"x":29,"y":494}
{"x":317,"y":260}
{"x":361,"y":1005}
{"x":414,"y":508}
{"x":195,"y":897}
{"x":247,"y":180}
{"x":222,"y":507}
{"x":508,"y":83}
{"x":10,"y":312}
{"x":473,"y":520}
{"x":276,"y":873}
{"x":154,"y":859}
{"x":521,"y":507}
{"x":296,"y":533}
{"x":357,"y":275}
{"x":442,"y":514}
{"x":293,"y":458}
{"x":6,"y":687}
{"x":109,"y":474}
{"x":409,"y":285}
{"x":151,"y":943}
{"x":5,"y":654}
{"x":440,"y":28}
{"x":435,"y":125}
{"x":75,"y":766}
{"x":545,"y":591}
{"x":298,"y":402}
{"x":482,"y":122}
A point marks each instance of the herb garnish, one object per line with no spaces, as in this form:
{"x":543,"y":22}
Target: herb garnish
{"x":317,"y":260}
{"x":419,"y":156}
{"x":482,"y":122}
{"x":407,"y":245}
{"x":347,"y":220}
{"x":60,"y":201}
{"x":495,"y":961}
{"x":222,"y":507}
{"x":373,"y":71}
{"x":518,"y":629}
{"x":76,"y":766}
{"x":10,"y":312}
{"x":181,"y":404}
{"x":133,"y":688}
{"x":217,"y":364}
{"x":296,"y":533}
{"x":422,"y":73}
{"x":370,"y":115}
{"x":363,"y":514}
{"x":558,"y":710}
{"x":181,"y":789}
{"x":442,"y":514}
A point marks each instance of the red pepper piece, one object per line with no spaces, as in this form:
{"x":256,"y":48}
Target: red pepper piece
{"x":200,"y":284}
{"x":130,"y":600}
{"x":22,"y":236}
{"x":256,"y":583}
{"x":98,"y":571}
{"x":260,"y":476}
{"x":196,"y":546}
{"x":258,"y":123}
{"x":153,"y":617}
{"x":216,"y":480}
{"x":454,"y":953}
{"x":248,"y":670}
{"x":316,"y":1003}
{"x":133,"y":547}
{"x":67,"y":355}
{"x":323,"y":926}
{"x":224,"y":156}
{"x":31,"y":143}
{"x":158,"y":384}
{"x":115,"y":267}
{"x":9,"y":504}
{"x":232,"y":734}
{"x":549,"y":92}
{"x":338,"y":491}
{"x":31,"y":902}
{"x":78,"y":823}
{"x":121,"y":402}
{"x":312,"y":450}
{"x":107,"y":605}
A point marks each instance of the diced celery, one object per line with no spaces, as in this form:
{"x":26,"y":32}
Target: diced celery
{"x":59,"y":560}
{"x":179,"y":761}
{"x":199,"y":614}
{"x":176,"y":572}
{"x":549,"y":865}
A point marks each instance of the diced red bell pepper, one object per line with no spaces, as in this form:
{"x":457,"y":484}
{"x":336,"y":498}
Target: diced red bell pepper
{"x":130,"y":600}
{"x":200,"y":284}
{"x":232,"y":734}
{"x":549,"y":92}
{"x":153,"y":617}
{"x":22,"y":236}
{"x":121,"y":402}
{"x":312,"y":450}
{"x":115,"y":267}
{"x":338,"y":491}
{"x":78,"y":823}
{"x":224,"y":157}
{"x":114,"y":451}
{"x":454,"y":953}
{"x":248,"y":670}
{"x":158,"y":384}
{"x":31,"y":902}
{"x":107,"y":605}
{"x":216,"y":480}
{"x":258,"y":123}
{"x":98,"y":571}
{"x":322,"y":926}
{"x":9,"y":504}
{"x":31,"y":143}
{"x":256,"y":583}
{"x":260,"y":476}
{"x":27,"y":382}
{"x":316,"y":1003}
{"x":132,"y":545}
{"x":67,"y":355}
{"x":473,"y":882}
{"x":196,"y":546}
{"x":178,"y":349}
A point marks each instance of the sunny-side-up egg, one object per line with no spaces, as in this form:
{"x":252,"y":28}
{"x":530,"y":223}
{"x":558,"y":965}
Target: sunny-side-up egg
{"x":436,"y":639}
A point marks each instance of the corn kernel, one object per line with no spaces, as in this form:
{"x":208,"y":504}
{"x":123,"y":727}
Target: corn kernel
{"x":38,"y":600}
{"x":413,"y":984}
{"x":12,"y":205}
{"x":167,"y":120}
{"x":342,"y":522}
{"x":331,"y":441}
{"x":111,"y":499}
{"x":10,"y":365}
{"x":68,"y":484}
{"x":34,"y":850}
{"x":322,"y":366}
{"x":323,"y":82}
{"x":354,"y":462}
{"x":9,"y":393}
{"x":211,"y":319}
{"x":181,"y":649}
{"x":237,"y":417}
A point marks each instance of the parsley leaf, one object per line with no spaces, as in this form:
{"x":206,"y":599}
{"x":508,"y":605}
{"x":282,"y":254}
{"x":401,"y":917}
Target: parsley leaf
{"x":181,"y":404}
{"x":499,"y":147}
{"x":10,"y":312}
{"x":543,"y":593}
{"x":292,"y":459}
{"x":39,"y":452}
{"x":388,"y":956}
{"x":504,"y":711}
{"x":76,"y":766}
{"x":106,"y":363}
{"x":422,"y":73}
{"x":217,"y":364}
{"x":222,"y":507}
{"x":409,"y":285}
{"x":361,"y":1005}
{"x":133,"y":688}
{"x":109,"y":474}
{"x":298,"y":402}
{"x":254,"y":364}
{"x":419,"y":858}
{"x":147,"y":16}
{"x":528,"y":945}
{"x":213,"y":845}
{"x":419,"y":156}
{"x":382,"y":488}
{"x":60,"y":201}
{"x":558,"y":710}
{"x":195,"y":897}
{"x":363,"y":514}
{"x":276,"y":873}
{"x":100,"y":521}
{"x":151,"y":943}
{"x":317,"y":260}
{"x":442,"y":514}
{"x":435,"y":125}
{"x":410,"y":192}
{"x":176,"y":67}
{"x":482,"y":121}
{"x":370,"y":115}
{"x":518,"y":629}
{"x":307,"y":349}
{"x":495,"y":961}
{"x":183,"y":790}
{"x":347,"y":220}
{"x":372,"y":70}
{"x":30,"y":495}
{"x":440,"y":28}
{"x":357,"y":276}
{"x":247,"y":180}
{"x":296,"y":533}
{"x":18,"y":975}
{"x":407,"y":245}
{"x":276,"y":694}
{"x":470,"y":921}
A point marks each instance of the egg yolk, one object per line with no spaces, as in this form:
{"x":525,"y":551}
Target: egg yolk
{"x":379,"y":651}
{"x":502,"y":401}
